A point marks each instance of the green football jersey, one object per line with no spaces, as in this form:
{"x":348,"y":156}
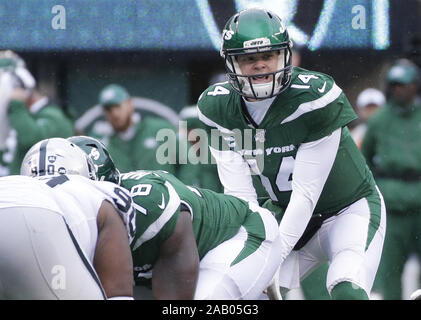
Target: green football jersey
{"x":392,"y":147}
{"x":29,"y":127}
{"x":157,"y":196}
{"x":310,"y":109}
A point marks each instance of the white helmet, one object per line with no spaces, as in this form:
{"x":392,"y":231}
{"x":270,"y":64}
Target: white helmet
{"x":56,"y":156}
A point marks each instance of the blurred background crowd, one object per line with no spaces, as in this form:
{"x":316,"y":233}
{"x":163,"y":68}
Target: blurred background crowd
{"x":122,"y":71}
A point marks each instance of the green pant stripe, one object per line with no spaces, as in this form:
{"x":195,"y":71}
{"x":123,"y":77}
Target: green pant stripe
{"x":374,"y":204}
{"x":256,"y":234}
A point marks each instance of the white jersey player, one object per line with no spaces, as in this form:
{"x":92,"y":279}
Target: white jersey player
{"x":62,"y":235}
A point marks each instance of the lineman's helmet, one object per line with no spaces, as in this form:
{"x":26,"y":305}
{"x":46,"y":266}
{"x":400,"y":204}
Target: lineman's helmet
{"x":56,"y":156}
{"x":98,"y":153}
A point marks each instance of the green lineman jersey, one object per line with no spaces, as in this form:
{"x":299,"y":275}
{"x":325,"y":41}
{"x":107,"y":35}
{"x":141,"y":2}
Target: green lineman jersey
{"x":312,"y":108}
{"x":157,"y":196}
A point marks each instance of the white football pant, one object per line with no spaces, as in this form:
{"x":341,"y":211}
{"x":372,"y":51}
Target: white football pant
{"x":40,"y":259}
{"x":351,"y":241}
{"x":246,"y":279}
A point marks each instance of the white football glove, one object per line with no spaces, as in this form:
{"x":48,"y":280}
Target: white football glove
{"x":416,"y":295}
{"x":273,"y":292}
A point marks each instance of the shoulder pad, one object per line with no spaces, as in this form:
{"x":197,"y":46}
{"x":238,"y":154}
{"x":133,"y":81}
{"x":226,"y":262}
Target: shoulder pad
{"x":217,"y":105}
{"x":217,"y":91}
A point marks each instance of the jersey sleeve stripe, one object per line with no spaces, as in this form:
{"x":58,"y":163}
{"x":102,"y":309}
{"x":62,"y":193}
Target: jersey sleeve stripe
{"x":300,"y":86}
{"x":322,"y":102}
{"x":211,"y":123}
{"x":169,"y":211}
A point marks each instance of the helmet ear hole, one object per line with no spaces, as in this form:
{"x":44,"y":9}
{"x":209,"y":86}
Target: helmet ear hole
{"x":236,"y":18}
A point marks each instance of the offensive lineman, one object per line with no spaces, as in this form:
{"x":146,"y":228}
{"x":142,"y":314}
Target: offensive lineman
{"x":309,"y":165}
{"x":193,"y":243}
{"x":59,"y":230}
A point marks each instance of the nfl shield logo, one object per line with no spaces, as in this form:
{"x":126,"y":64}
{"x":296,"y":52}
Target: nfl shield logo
{"x":52,"y":159}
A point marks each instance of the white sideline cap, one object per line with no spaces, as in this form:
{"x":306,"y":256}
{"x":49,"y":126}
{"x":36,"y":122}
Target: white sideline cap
{"x":369,"y":96}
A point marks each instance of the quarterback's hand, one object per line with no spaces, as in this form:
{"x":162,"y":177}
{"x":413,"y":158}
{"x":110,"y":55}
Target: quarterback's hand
{"x":273,"y":292}
{"x":276,"y":210}
{"x":416,"y":295}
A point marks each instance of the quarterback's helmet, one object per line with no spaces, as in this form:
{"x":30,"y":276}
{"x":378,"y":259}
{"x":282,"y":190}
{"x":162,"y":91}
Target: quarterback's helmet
{"x":254,"y":31}
{"x":56,"y":156}
{"x":97,"y":152}
{"x":14,"y":64}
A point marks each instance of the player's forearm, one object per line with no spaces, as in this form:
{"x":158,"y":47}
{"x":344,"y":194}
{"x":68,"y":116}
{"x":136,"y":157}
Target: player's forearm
{"x":313,"y":164}
{"x":234,"y":174}
{"x":115,"y":274}
{"x":176,"y":271}
{"x":294,"y":222}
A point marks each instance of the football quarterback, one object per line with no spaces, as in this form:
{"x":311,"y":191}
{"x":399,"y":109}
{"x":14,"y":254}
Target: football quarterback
{"x":285,"y":128}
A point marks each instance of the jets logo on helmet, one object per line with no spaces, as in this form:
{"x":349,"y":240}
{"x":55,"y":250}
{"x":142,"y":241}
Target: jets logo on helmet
{"x":227,"y":34}
{"x":94,"y":154}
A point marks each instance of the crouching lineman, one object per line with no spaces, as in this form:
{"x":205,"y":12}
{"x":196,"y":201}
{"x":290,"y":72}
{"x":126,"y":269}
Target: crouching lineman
{"x":58,"y":229}
{"x":199,"y":244}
